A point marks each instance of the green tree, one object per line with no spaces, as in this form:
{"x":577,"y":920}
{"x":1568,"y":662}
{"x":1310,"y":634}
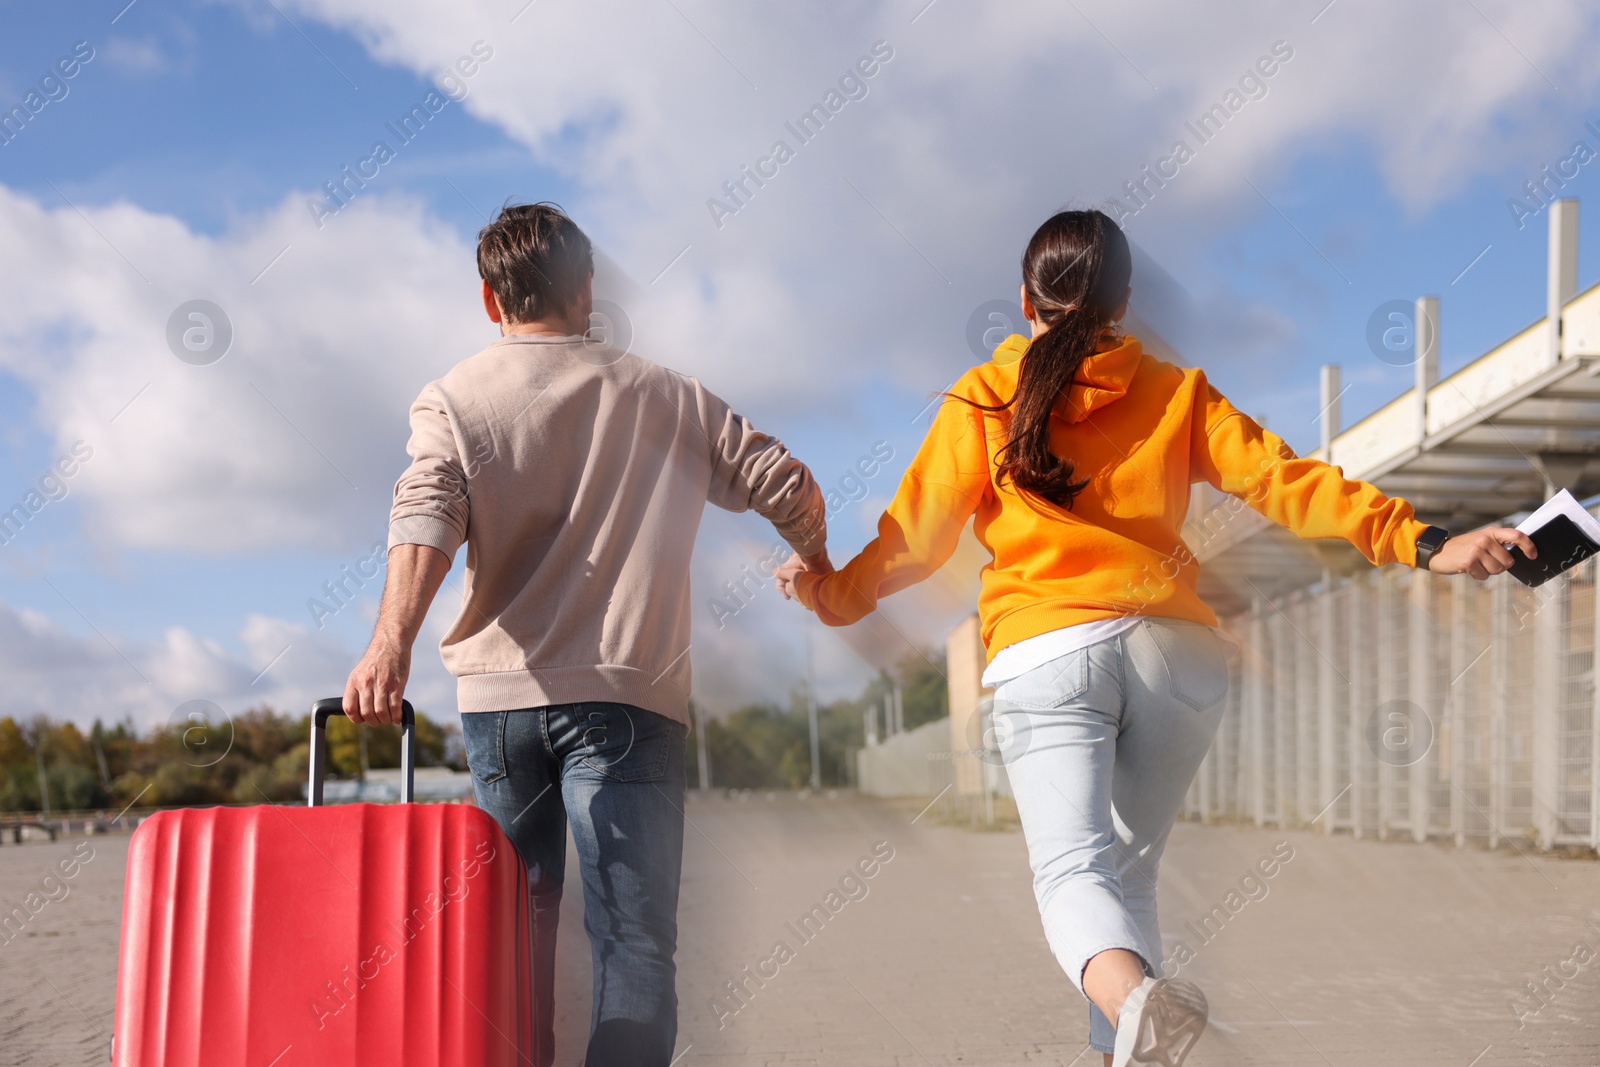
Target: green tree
{"x":763,"y":746}
{"x":14,"y":748}
{"x":383,"y":745}
{"x":74,"y":787}
{"x":757,"y":747}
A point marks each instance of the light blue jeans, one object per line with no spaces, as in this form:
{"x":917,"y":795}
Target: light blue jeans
{"x":1100,"y":746}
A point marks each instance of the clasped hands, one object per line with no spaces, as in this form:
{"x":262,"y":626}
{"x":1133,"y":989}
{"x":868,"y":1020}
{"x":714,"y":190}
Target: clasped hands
{"x":791,"y":569}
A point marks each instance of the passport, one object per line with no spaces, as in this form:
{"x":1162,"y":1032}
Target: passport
{"x":1565,"y":535}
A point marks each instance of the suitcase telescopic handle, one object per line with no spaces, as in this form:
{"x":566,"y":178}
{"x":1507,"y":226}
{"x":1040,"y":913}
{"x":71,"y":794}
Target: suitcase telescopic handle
{"x":321,"y":710}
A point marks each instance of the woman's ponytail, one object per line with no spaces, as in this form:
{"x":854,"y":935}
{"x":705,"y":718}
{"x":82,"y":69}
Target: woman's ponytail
{"x":1076,"y":272}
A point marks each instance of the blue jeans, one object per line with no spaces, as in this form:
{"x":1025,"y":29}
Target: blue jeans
{"x":616,"y":773}
{"x":1100,"y":746}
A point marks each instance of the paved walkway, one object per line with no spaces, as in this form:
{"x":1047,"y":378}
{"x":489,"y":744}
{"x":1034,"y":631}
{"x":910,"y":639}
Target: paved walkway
{"x":1350,"y":953}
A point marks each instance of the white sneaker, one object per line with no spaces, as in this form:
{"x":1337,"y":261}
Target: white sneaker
{"x":1159,"y":1023}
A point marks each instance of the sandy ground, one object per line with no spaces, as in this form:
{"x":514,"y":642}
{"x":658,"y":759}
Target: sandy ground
{"x":1357,"y":953}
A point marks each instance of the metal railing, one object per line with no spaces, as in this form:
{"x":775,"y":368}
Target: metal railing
{"x":1397,"y":703}
{"x":14,"y":825}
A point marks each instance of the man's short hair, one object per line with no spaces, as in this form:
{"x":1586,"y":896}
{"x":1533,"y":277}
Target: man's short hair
{"x":535,"y":259}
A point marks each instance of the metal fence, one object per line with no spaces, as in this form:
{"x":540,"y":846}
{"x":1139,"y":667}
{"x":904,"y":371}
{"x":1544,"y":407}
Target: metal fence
{"x":1397,"y":703}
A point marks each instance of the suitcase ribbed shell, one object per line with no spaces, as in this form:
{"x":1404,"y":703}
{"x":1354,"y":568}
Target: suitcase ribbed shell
{"x":359,"y":934}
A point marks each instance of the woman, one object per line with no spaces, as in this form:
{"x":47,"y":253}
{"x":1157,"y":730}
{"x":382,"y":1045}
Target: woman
{"x":1074,"y":453}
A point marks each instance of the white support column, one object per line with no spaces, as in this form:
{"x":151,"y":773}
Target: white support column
{"x":1255,"y":691}
{"x":1459,"y":702}
{"x":1326,"y":737}
{"x":1330,"y":409}
{"x":1226,"y":753}
{"x":1561,"y":279}
{"x":1230,"y":776}
{"x":1425,"y":341}
{"x":1281,"y":711}
{"x":1386,"y":651}
{"x":1420,"y":682}
{"x":1307,"y":683}
{"x":1360,"y":669}
{"x":1500,"y":630}
{"x":1594,"y":725}
{"x":1549,"y":640}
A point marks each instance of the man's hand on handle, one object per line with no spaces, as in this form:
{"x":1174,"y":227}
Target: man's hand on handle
{"x":784,"y":577}
{"x":376,"y":687}
{"x":1481,"y":552}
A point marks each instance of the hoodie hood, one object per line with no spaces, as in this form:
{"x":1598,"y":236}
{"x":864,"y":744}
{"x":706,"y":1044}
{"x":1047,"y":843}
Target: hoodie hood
{"x":1101,"y":379}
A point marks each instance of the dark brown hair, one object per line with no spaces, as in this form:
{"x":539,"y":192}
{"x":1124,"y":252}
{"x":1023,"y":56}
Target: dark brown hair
{"x":1076,"y":270}
{"x":535,"y":259}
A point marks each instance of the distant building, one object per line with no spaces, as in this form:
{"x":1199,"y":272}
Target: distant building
{"x":383,"y":786}
{"x":970,"y":705}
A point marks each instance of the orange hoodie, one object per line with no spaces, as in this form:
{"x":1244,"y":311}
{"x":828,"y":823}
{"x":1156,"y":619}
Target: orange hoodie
{"x":1142,"y":430}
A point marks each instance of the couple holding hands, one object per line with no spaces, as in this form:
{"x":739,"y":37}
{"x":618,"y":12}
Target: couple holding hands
{"x":1072,"y":452}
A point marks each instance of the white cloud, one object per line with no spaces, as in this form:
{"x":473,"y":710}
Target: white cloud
{"x":858,"y":263}
{"x":99,"y":674}
{"x":861,"y":258}
{"x":294,"y":437}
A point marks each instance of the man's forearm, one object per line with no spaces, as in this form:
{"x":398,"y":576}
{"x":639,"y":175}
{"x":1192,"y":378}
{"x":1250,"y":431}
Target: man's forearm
{"x":374,"y":692}
{"x":415,"y":574}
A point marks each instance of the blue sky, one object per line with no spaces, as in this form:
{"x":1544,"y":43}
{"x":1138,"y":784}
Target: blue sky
{"x":179,"y":163}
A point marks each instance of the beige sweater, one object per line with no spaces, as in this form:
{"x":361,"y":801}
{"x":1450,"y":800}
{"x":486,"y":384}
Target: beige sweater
{"x":576,"y":474}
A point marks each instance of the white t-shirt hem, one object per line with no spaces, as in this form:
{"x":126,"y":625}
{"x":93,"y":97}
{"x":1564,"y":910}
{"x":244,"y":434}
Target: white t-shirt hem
{"x":1013,"y":661}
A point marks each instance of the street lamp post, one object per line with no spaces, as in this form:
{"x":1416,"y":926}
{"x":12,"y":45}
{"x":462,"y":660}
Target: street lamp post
{"x":811,"y":713}
{"x":703,"y":750}
{"x":44,"y":786}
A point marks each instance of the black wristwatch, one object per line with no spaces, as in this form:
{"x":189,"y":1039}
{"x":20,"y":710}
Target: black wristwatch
{"x":1429,"y":542}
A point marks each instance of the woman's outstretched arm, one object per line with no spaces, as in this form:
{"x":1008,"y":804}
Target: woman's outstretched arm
{"x":1311,"y":498}
{"x":919,"y":531}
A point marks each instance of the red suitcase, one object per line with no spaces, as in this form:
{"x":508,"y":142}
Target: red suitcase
{"x":370,"y":934}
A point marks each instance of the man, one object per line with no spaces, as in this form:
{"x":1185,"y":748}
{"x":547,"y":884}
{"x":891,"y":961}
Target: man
{"x":576,"y":475}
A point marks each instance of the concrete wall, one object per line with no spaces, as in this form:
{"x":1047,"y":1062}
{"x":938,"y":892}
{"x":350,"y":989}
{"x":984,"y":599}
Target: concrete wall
{"x":908,"y":764}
